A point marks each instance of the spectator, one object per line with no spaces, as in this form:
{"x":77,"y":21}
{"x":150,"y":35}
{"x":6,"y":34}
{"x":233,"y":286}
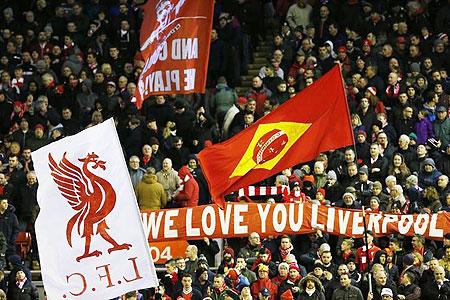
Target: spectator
{"x":136,"y":172}
{"x":150,"y":193}
{"x":347,"y":290}
{"x":9,"y":224}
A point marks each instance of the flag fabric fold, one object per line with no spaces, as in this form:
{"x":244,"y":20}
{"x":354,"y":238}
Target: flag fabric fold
{"x":313,"y":121}
{"x":90,"y":236}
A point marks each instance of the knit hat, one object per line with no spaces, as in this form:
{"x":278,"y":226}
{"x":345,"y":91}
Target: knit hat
{"x":154,"y":141}
{"x":429,"y":161}
{"x":372,"y":90}
{"x":413,"y":136}
{"x":375,"y":198}
{"x":228,"y":250}
{"x":295,"y":267}
{"x":415,"y":67}
{"x":362,"y":132}
{"x":387,"y":292}
{"x":322,"y":191}
{"x":324,"y":248}
{"x":200,"y":271}
{"x":263,"y":267}
{"x":342,"y":49}
{"x":377,"y":184}
{"x":39,"y":126}
{"x":349,"y":194}
{"x":242,"y":100}
{"x":408,"y":259}
{"x":350,"y":189}
{"x":283,"y":264}
{"x":332,"y":175}
{"x":363,"y":170}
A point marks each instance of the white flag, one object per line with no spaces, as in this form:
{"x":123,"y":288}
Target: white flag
{"x":89,"y":232}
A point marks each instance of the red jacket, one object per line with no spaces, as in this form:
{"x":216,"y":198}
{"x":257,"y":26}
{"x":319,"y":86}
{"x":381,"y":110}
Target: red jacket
{"x":361,"y":256}
{"x":188,"y":197}
{"x":264,"y":283}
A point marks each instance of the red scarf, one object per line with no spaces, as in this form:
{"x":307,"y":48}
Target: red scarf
{"x":174,"y":278}
{"x":285,"y":252}
{"x":146,"y":159}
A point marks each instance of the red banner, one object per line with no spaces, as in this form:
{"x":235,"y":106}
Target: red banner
{"x":295,"y":132}
{"x":239,"y":220}
{"x":175,"y":38}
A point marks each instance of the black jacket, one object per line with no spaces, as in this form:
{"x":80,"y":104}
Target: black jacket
{"x":27,"y":292}
{"x":10,"y":227}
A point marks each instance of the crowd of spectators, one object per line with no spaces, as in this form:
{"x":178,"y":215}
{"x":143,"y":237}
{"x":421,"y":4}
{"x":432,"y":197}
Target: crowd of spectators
{"x":68,"y":65}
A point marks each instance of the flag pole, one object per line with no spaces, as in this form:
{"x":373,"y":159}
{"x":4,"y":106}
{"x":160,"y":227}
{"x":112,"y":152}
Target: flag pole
{"x":366,"y":243}
{"x":348,"y":112}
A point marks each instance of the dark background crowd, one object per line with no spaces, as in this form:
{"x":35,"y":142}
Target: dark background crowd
{"x":69,"y":65}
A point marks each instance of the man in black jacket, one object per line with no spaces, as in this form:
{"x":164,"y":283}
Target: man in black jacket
{"x":8,"y":225}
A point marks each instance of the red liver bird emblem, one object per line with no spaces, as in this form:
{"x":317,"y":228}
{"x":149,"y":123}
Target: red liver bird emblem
{"x":91,"y":196}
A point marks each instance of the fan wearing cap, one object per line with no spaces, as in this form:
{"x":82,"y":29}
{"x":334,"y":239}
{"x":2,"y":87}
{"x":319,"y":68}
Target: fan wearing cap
{"x":428,"y":174}
{"x":227,"y":261}
{"x":39,"y":139}
{"x":363,"y":185}
{"x":235,"y":280}
{"x":264,"y":281}
{"x":291,"y":283}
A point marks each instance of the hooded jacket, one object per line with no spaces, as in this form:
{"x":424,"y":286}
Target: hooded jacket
{"x":318,"y":293}
{"x":188,"y":196}
{"x":427,"y":179}
{"x":150,"y":193}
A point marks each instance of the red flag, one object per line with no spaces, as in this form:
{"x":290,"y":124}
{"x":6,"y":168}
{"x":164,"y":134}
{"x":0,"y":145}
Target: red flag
{"x":175,"y":38}
{"x":314,"y":121}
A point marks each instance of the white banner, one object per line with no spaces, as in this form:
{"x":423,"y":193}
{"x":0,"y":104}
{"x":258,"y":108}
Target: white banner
{"x":89,"y":232}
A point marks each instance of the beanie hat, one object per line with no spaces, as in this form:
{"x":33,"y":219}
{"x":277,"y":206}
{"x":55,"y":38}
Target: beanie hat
{"x":242,"y":100}
{"x":372,"y":90}
{"x":415,"y":67}
{"x":362,"y":132}
{"x":200,"y":271}
{"x":408,"y":260}
{"x":332,"y":175}
{"x":283,"y":264}
{"x":263,"y":267}
{"x":349,"y":194}
{"x":322,"y":191}
{"x":295,"y":267}
{"x":413,"y":136}
{"x":429,"y":161}
{"x":228,"y":250}
{"x":377,"y":184}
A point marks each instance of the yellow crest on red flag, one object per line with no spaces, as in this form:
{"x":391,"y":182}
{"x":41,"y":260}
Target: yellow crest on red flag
{"x":269,"y":144}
